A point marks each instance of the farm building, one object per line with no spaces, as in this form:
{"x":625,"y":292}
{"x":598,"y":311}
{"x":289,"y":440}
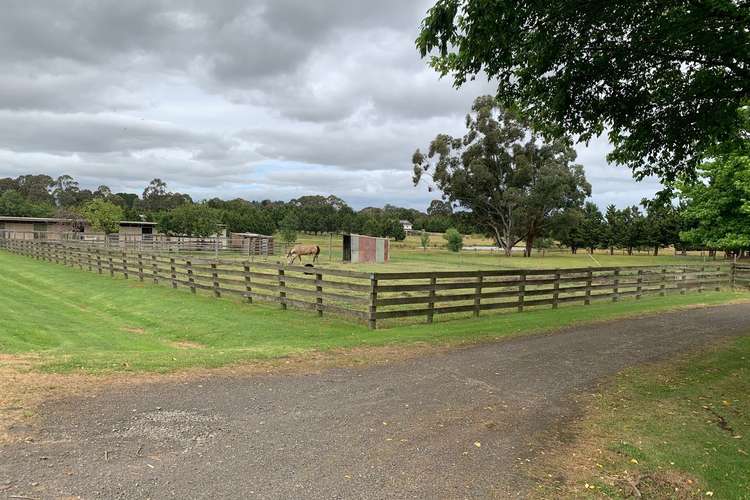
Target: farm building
{"x":50,"y":228}
{"x":359,"y":248}
{"x":406,"y":225}
{"x":252,"y":243}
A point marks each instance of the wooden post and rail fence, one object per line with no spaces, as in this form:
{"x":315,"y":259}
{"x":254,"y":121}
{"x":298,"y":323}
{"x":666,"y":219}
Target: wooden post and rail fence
{"x":382,"y":298}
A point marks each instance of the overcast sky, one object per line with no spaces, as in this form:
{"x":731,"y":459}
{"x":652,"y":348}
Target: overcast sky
{"x":256,"y":99}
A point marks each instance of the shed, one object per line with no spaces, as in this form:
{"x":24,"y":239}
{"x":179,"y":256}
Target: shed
{"x":360,"y":248}
{"x":252,"y":243}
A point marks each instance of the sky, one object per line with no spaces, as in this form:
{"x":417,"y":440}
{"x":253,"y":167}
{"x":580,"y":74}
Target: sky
{"x":259,"y":99}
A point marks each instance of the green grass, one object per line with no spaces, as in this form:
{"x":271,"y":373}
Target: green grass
{"x":405,"y":255}
{"x":683,"y":425}
{"x":67,"y":319}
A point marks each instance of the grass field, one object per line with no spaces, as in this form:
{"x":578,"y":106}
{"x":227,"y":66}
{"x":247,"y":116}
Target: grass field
{"x":407,"y":254}
{"x":62,"y":319}
{"x":675,"y":430}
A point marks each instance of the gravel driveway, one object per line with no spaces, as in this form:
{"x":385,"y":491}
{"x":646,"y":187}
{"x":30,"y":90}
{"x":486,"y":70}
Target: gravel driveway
{"x":464,"y":423}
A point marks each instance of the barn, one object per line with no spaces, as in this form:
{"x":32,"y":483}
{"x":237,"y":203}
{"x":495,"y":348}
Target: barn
{"x":365,"y":249}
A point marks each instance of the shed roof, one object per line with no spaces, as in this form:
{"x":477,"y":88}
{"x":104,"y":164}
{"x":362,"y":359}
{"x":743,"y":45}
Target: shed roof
{"x":11,"y":218}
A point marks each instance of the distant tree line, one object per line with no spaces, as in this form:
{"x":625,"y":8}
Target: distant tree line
{"x":177,"y":213}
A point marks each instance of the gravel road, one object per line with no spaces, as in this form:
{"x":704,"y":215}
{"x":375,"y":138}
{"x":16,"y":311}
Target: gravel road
{"x":466,"y":423}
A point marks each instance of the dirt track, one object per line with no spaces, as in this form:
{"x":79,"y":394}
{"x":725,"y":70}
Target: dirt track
{"x":467,"y":423}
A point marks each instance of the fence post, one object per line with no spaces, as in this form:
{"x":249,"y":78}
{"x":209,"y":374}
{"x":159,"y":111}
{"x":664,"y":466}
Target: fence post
{"x":88,"y":257}
{"x":616,"y":285}
{"x":154,"y":269}
{"x":191,"y":280}
{"x":521,"y":290}
{"x":319,"y":293}
{"x":282,"y":285}
{"x":111,"y":265}
{"x":140,"y":266}
{"x":684,"y":278}
{"x":717,"y":285}
{"x":248,"y":284}
{"x":431,"y":303}
{"x":732,"y":274}
{"x":125,"y":265}
{"x":589,"y":280}
{"x":372,"y":322}
{"x":98,"y":262}
{"x":215,"y":276}
{"x":701,"y":278}
{"x":639,"y":288}
{"x":478,"y":294}
{"x":663,"y":282}
{"x":556,"y":290}
{"x":173,"y":272}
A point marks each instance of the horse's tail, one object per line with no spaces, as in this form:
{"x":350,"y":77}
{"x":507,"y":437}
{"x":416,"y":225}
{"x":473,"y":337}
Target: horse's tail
{"x":317,"y":252}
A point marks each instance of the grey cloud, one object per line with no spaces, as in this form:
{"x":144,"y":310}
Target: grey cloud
{"x":229,"y":97}
{"x":95,"y":133}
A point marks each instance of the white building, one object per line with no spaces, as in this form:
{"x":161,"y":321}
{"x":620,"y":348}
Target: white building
{"x":406,"y":225}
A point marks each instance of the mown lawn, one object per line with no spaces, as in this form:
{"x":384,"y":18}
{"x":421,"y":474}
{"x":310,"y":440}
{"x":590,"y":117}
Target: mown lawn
{"x":675,"y":430}
{"x":65,"y":319}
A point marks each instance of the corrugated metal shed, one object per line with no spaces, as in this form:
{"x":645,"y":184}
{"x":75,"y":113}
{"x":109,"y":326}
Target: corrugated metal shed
{"x":360,"y":248}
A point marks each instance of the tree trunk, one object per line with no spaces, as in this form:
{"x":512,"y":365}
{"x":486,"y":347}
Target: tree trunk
{"x":611,"y":250}
{"x":630,"y":250}
{"x":656,"y":250}
{"x":529,"y":246}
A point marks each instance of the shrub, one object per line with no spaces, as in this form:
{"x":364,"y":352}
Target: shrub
{"x":424,"y":239}
{"x":454,"y":239}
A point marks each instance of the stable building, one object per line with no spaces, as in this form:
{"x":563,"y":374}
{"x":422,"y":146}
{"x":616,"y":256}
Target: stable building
{"x":55,"y":229}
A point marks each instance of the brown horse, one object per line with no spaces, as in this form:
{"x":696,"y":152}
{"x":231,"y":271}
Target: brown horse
{"x":297,"y":251}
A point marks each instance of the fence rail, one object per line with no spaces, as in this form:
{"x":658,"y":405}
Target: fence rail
{"x":240,"y":243}
{"x":379,"y":297}
{"x":740,"y":276}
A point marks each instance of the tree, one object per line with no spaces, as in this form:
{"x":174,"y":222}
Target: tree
{"x":662,"y":223}
{"x":613,"y":228}
{"x":103,"y":192}
{"x":633,"y":228}
{"x":65,"y":191}
{"x":424,"y":240}
{"x":591,"y":227}
{"x":439,"y":208}
{"x":719,"y":203}
{"x":554,"y":184}
{"x":288,"y":228}
{"x":198,"y":220}
{"x":103,"y":215}
{"x":631,"y":68}
{"x":566,"y":228}
{"x":13,"y":204}
{"x":455,"y":241}
{"x":36,"y":188}
{"x":156,"y":198}
{"x":511,"y":183}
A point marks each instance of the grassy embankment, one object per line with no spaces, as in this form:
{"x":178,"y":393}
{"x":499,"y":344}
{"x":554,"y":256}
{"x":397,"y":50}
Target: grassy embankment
{"x":672,"y":430}
{"x":61,"y":319}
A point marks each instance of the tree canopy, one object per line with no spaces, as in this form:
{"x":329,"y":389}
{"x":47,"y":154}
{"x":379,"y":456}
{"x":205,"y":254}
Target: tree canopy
{"x":103,"y":215}
{"x":665,"y":79}
{"x":511,"y":182}
{"x":718,"y":204}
